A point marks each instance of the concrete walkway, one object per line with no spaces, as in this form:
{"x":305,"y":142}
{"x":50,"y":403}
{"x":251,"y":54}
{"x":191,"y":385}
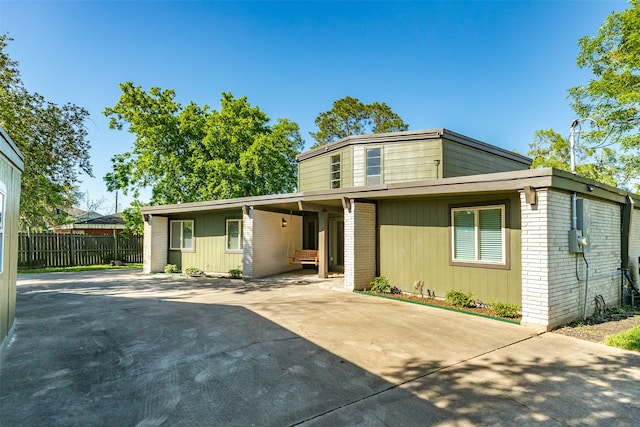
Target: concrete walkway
{"x":119,"y":348}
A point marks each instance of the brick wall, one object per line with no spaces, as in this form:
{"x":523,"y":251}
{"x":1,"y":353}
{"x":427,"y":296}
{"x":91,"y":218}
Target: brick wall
{"x":156,"y":244}
{"x":359,"y":245}
{"x":535,"y":260}
{"x":553,"y":280}
{"x":247,"y":243}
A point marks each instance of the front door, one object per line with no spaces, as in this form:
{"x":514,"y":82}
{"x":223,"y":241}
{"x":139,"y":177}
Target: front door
{"x":336,"y":244}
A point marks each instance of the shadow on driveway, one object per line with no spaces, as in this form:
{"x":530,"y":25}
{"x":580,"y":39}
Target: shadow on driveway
{"x":126,"y":349}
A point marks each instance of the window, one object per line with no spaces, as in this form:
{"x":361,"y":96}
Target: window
{"x":181,"y":237}
{"x":374,"y":166}
{"x":234,"y":235}
{"x":335,"y":171}
{"x":479,"y":235}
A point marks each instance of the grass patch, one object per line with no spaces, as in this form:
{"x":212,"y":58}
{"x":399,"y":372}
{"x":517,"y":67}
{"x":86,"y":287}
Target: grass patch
{"x":80,"y":268}
{"x":628,"y":340}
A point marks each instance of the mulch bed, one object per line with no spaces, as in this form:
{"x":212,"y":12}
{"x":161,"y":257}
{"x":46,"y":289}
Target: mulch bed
{"x":438,"y":303}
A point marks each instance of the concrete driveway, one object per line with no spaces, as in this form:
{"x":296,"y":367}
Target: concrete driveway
{"x":118,"y":348}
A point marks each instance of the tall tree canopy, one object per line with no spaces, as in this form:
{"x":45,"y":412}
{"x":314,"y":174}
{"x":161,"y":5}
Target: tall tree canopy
{"x":612,"y":96}
{"x":349,"y":116}
{"x":608,"y":106}
{"x":53,"y":140}
{"x":192,"y":153}
{"x":551,"y":149}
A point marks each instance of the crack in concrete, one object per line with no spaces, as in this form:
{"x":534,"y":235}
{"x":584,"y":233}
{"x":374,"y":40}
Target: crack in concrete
{"x":400,"y":384}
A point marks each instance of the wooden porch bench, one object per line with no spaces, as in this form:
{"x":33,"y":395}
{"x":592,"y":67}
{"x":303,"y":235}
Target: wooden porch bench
{"x":304,"y":256}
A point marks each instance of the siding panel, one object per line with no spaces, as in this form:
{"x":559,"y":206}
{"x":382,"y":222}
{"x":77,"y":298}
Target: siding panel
{"x":459,"y":160}
{"x":414,"y":245}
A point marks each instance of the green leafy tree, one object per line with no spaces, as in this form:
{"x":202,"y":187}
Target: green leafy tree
{"x":192,"y":153}
{"x":133,"y":218}
{"x":550,"y":149}
{"x":53,"y":140}
{"x":349,"y":116}
{"x":612,"y":96}
{"x":608,"y":105}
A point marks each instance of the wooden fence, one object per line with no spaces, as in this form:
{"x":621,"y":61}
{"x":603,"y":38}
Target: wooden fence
{"x":67,"y":250}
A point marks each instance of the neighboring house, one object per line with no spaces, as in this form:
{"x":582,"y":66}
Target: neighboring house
{"x":432,"y":205}
{"x":91,"y":224}
{"x":11,"y":168}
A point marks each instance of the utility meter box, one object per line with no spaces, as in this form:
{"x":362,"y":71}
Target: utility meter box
{"x":580,"y":239}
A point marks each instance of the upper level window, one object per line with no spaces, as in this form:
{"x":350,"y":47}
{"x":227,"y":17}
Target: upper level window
{"x":234,"y":235}
{"x":374,"y":166}
{"x":479,"y":235}
{"x":335,"y":171}
{"x":181,"y":235}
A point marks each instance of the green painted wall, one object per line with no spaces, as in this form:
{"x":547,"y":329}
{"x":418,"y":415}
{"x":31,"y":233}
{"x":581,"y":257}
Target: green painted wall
{"x":314,"y":173}
{"x":413,"y":244}
{"x":459,"y":160}
{"x":210,"y":243}
{"x":413,"y":161}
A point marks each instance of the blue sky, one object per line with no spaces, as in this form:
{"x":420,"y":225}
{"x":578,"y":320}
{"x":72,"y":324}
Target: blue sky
{"x":492,"y":70}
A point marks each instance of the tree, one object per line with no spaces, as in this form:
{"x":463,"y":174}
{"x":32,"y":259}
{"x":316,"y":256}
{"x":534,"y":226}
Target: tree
{"x":550,"y":149}
{"x":612,"y":96}
{"x":609,"y":103}
{"x":133,"y":219}
{"x":188,"y":154}
{"x":349,"y":116}
{"x":54,"y":143}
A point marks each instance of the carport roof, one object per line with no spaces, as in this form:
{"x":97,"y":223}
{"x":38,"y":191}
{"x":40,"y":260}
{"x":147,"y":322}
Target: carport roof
{"x":473,"y":184}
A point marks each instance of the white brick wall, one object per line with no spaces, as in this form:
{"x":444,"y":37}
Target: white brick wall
{"x":247,"y":244}
{"x":156,"y":244}
{"x":553,"y":280}
{"x":535,"y":260}
{"x":359,"y":245}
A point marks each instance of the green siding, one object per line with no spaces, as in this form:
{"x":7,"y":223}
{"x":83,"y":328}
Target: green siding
{"x":210,"y":243}
{"x":459,"y":160}
{"x":414,"y":245}
{"x":314,"y":173}
{"x":412,"y":161}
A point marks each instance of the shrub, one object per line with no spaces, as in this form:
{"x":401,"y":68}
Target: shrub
{"x":194,"y":271}
{"x":380,"y":284}
{"x":459,"y":298}
{"x":235,"y":273}
{"x":171,"y":268}
{"x":503,"y":309}
{"x":394,"y":290}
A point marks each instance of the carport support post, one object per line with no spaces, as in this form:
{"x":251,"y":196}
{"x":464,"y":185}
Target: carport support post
{"x":323,"y":245}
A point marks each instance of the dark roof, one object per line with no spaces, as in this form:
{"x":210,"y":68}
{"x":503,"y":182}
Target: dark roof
{"x":106,"y":219}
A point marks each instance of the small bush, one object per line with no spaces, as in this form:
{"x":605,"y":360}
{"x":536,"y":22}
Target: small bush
{"x":459,"y":298}
{"x":194,"y":271}
{"x":380,"y":284}
{"x":235,"y":273}
{"x":503,"y":309}
{"x":171,"y":268}
{"x":394,"y":290}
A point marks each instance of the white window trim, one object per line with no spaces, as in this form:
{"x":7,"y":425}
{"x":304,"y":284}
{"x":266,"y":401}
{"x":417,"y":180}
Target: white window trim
{"x":366,"y":175}
{"x":331,"y":163}
{"x":172,"y":247}
{"x":226,"y":236}
{"x":476,"y":209}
